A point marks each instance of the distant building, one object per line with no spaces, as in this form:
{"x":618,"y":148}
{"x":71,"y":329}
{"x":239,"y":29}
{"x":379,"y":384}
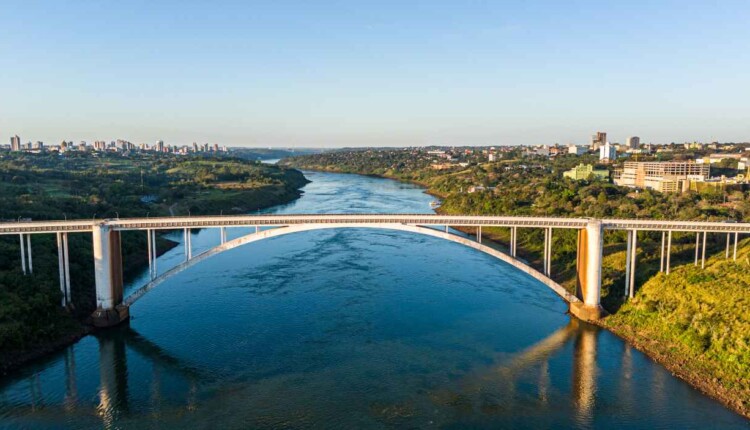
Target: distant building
{"x":597,"y":140}
{"x":577,"y":150}
{"x":15,"y":143}
{"x":634,"y":142}
{"x":491,"y":157}
{"x":607,"y":152}
{"x":717,"y":158}
{"x":584,"y":171}
{"x":159,"y":147}
{"x":665,"y":177}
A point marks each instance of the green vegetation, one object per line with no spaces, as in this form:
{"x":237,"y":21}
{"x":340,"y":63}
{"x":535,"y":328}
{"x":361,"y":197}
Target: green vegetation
{"x":82,"y":185}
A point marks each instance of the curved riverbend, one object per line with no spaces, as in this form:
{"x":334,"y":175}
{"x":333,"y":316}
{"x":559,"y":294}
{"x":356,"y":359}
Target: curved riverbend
{"x":352,"y":328}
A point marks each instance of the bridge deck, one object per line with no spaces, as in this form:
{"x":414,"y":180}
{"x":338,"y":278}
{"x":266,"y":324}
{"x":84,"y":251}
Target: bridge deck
{"x":167,"y":223}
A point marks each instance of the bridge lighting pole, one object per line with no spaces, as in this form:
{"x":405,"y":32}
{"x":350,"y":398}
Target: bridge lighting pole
{"x":23,"y":254}
{"x":735,"y":245}
{"x":669,"y":249}
{"x":703,"y":252}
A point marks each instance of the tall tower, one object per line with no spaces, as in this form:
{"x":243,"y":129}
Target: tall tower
{"x":599,"y":139}
{"x":634,"y":142}
{"x":15,"y":143}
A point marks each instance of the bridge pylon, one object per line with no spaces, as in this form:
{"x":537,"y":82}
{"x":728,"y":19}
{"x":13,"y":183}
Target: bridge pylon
{"x":108,"y":276}
{"x":589,"y":272}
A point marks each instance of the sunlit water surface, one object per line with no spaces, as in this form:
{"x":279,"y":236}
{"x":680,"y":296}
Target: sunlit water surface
{"x":351,"y":328}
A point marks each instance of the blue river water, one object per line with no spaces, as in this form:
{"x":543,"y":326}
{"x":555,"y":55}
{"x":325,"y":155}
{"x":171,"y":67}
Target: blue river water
{"x":351,"y":328}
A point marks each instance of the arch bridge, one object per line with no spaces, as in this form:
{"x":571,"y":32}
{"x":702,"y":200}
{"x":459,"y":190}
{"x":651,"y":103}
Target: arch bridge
{"x":113,"y":307}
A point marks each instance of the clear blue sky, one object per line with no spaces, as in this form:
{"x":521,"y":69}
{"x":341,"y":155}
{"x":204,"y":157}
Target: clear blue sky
{"x":279,"y":73}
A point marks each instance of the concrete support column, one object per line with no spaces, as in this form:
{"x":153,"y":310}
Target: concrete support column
{"x":23,"y":254}
{"x":661,"y":251}
{"x":633,"y":253}
{"x":479,"y":234}
{"x":103,"y":268}
{"x":735,"y":246}
{"x":589,"y":271}
{"x":697,"y":247}
{"x":154,"y":269}
{"x":726,"y":254}
{"x":31,"y":266}
{"x":63,"y":267}
{"x":223,"y":235}
{"x":186,"y":243}
{"x":548,"y":251}
{"x":257,"y":229}
{"x":108,"y":277}
{"x":669,"y":249}
{"x":627,"y":262}
{"x":703,"y":252}
{"x":66,"y":262}
{"x":446,"y":229}
{"x":150,"y":255}
{"x":513,"y":241}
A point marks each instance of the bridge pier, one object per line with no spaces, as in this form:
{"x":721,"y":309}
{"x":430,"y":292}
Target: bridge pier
{"x":108,"y":276}
{"x":589,"y":272}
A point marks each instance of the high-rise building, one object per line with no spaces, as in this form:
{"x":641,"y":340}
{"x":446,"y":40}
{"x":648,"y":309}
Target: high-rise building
{"x":159,"y":147}
{"x":15,"y":143}
{"x":597,"y":140}
{"x":634,"y":142}
{"x":607,"y":152}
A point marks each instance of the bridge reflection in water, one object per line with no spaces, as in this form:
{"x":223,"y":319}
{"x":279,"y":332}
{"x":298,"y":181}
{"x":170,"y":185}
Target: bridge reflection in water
{"x":488,"y":391}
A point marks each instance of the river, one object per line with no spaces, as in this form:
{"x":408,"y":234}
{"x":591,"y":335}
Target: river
{"x":351,"y":328}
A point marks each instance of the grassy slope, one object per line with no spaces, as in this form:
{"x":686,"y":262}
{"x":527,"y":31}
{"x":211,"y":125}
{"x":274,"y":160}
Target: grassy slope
{"x":696,"y":322}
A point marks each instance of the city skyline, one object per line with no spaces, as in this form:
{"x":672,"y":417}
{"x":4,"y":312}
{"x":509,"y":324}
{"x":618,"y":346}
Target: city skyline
{"x":326,"y":75}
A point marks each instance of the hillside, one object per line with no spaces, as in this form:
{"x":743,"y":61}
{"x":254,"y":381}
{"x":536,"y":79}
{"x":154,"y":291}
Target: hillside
{"x":696,"y":322}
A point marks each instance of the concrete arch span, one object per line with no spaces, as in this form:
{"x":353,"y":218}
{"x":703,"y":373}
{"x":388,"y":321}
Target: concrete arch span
{"x":297,"y":228}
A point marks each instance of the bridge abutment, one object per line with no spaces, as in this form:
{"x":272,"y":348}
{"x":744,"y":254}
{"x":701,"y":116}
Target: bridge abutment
{"x":108,"y":276}
{"x":589,"y":272}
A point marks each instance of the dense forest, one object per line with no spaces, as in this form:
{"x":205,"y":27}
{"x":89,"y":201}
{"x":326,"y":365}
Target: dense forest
{"x":95,"y":185}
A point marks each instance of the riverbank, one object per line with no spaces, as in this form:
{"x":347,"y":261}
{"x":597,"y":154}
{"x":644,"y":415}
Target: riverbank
{"x":75,"y":328}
